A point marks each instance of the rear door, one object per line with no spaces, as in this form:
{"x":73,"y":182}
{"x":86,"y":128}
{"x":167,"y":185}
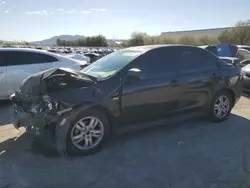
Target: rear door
{"x":198,"y":75}
{"x":22,"y":64}
{"x":3,"y":83}
{"x":156,"y":93}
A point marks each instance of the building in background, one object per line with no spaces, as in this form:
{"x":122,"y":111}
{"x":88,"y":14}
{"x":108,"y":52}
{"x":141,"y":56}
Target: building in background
{"x":196,"y":33}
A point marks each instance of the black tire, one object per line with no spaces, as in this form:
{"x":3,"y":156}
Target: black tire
{"x":212,"y":113}
{"x":71,"y":149}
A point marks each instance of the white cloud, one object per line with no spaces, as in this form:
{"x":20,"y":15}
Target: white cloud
{"x":70,"y":11}
{"x":40,"y":12}
{"x":7,"y":11}
{"x":3,"y":2}
{"x":85,"y":12}
{"x":98,"y":9}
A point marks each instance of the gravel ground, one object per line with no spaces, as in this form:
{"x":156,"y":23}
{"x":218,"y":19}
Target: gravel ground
{"x":191,"y":154}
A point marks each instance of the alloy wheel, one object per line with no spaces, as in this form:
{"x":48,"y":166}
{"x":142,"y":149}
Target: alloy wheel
{"x":87,"y":133}
{"x":221,"y":107}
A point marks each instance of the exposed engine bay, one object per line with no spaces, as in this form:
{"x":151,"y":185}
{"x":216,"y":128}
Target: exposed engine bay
{"x":35,"y":103}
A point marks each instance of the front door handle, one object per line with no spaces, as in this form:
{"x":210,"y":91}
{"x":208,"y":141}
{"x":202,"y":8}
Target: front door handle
{"x":174,"y":83}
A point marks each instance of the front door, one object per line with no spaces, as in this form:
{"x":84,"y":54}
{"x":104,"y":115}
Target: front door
{"x":155,"y":93}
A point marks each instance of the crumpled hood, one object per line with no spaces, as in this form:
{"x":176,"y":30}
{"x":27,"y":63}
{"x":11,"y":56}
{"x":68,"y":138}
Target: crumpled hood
{"x":49,"y":81}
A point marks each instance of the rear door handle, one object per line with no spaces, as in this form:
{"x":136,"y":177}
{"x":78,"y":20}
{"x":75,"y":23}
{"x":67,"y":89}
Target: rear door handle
{"x":214,"y":75}
{"x":174,"y":83}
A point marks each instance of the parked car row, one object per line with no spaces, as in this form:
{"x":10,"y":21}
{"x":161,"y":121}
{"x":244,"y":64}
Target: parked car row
{"x":130,"y":86}
{"x":238,"y":55}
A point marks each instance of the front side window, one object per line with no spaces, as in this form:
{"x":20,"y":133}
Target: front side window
{"x":111,"y":64}
{"x":157,"y":63}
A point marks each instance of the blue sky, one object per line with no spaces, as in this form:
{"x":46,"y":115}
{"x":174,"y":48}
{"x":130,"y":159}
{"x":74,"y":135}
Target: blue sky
{"x":36,"y":20}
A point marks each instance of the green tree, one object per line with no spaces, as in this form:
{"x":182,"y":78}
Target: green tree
{"x":207,"y":40}
{"x":137,"y":39}
{"x":239,"y":34}
{"x":58,"y":42}
{"x":187,"y":40}
{"x":226,"y":36}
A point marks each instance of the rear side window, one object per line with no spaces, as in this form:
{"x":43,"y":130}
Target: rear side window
{"x":157,"y":63}
{"x":194,"y":59}
{"x":2,"y":62}
{"x":23,"y":58}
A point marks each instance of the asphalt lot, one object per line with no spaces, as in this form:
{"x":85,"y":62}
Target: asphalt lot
{"x":191,"y":154}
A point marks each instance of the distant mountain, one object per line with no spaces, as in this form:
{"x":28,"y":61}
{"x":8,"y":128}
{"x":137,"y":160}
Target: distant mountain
{"x":52,"y":40}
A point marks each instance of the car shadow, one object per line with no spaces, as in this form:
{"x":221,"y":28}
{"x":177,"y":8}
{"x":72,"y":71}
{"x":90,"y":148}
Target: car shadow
{"x":197,"y":136}
{"x":186,"y":124}
{"x":44,"y":142}
{"x":5,"y":112}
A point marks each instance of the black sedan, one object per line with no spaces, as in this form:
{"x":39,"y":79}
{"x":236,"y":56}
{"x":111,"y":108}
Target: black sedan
{"x":129,"y":86}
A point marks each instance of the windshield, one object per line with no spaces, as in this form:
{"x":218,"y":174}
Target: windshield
{"x":246,"y":48}
{"x":111,"y":64}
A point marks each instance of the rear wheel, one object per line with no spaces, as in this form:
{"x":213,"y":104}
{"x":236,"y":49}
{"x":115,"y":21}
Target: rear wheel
{"x":221,"y":106}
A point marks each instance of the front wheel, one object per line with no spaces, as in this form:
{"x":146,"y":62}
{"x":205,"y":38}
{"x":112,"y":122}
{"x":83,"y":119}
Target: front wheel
{"x":221,"y":106}
{"x":87,"y":133}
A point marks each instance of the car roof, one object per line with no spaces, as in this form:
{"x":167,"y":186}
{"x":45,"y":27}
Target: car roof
{"x":151,"y":47}
{"x":30,"y":50}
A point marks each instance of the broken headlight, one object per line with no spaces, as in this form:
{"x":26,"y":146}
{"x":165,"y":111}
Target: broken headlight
{"x":48,"y":102}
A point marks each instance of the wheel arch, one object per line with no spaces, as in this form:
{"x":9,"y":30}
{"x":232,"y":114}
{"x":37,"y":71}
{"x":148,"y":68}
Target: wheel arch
{"x":228,"y":90}
{"x":87,"y":106}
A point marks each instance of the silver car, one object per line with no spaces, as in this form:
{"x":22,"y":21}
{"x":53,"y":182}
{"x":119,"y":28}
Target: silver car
{"x":17,"y":63}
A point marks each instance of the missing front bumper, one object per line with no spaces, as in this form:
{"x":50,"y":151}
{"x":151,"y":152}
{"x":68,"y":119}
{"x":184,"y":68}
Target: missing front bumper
{"x":23,"y":119}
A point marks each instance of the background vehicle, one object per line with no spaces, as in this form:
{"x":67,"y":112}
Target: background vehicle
{"x":245,"y":47}
{"x":127,"y":87}
{"x":79,"y":57}
{"x":232,"y":60}
{"x":222,"y":50}
{"x":93,"y":56}
{"x":246,"y":77}
{"x":244,"y":62}
{"x":17,"y":63}
{"x":243,"y":54}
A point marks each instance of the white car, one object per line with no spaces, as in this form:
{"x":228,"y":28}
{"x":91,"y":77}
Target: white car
{"x":245,"y":47}
{"x":79,"y":57}
{"x":18,"y":63}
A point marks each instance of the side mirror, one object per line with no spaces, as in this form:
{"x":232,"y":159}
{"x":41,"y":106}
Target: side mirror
{"x":133,"y":75}
{"x":244,"y":62}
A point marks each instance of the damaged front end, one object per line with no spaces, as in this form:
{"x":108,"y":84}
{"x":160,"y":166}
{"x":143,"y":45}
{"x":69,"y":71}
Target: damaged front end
{"x":35,"y":104}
